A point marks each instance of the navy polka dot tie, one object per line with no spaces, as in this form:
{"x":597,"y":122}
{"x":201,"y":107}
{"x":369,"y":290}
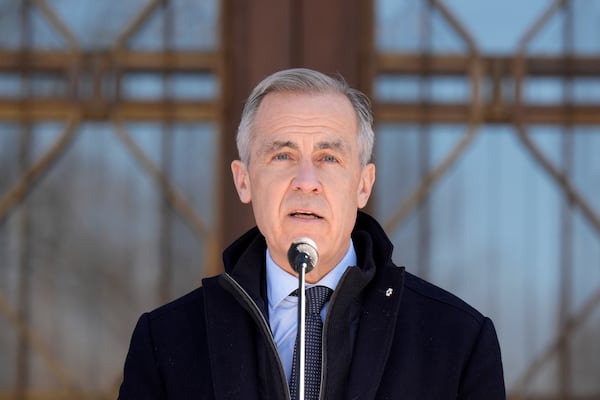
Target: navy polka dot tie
{"x":316,"y":297}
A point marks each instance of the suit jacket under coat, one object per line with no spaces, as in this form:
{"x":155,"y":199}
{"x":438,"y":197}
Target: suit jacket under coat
{"x":389,"y":335}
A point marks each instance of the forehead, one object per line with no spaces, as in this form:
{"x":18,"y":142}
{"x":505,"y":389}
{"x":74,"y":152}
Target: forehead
{"x":305,"y":113}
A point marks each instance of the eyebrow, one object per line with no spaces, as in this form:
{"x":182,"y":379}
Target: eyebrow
{"x":276,"y":145}
{"x":336,"y":145}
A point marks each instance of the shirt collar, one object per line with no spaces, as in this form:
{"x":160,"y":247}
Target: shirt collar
{"x":280,"y":283}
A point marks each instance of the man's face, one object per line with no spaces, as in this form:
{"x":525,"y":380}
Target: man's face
{"x":304,"y":177}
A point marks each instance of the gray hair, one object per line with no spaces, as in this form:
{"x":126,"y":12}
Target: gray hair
{"x":302,"y":80}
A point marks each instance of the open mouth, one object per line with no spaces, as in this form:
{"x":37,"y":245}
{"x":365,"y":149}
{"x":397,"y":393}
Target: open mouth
{"x":305,"y":215}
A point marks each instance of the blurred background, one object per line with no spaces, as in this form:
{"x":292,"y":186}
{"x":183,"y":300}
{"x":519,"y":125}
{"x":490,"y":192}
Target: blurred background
{"x":117,"y":123}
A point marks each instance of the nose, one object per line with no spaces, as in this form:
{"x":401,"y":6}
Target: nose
{"x":307,"y":178}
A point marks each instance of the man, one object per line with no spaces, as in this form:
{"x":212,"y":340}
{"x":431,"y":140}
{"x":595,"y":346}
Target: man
{"x":305,"y":141}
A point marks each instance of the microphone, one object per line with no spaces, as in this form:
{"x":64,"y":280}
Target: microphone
{"x":303,"y":257}
{"x":303,"y":254}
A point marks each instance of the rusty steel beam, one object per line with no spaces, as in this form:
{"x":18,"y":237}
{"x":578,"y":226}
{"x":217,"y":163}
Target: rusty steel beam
{"x":136,"y":23}
{"x":60,"y":109}
{"x":422,"y":190}
{"x":493,"y":68}
{"x":164,"y":110}
{"x":458,"y":27}
{"x":175,"y":198}
{"x":458,"y":64}
{"x":57,"y":23}
{"x":573,"y":323}
{"x":62,"y":61}
{"x":15,"y":61}
{"x":491,"y":113}
{"x":19,"y":191}
{"x":167,"y":61}
{"x":539,"y":23}
{"x":415,"y":112}
{"x":562,"y":180}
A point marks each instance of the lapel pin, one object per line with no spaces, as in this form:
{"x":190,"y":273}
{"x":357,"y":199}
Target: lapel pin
{"x":389,"y":292}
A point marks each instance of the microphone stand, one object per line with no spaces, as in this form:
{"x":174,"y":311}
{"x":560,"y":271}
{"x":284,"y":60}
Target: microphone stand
{"x":302,"y":257}
{"x":301,"y":345}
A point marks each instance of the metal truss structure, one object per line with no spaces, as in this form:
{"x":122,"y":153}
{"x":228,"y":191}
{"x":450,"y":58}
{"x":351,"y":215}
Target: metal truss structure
{"x":477,"y":69}
{"x":93,"y":81}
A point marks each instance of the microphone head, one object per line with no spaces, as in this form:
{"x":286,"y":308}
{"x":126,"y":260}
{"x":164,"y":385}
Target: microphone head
{"x":303,"y":254}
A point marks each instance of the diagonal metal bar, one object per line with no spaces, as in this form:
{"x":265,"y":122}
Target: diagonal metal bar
{"x":177,"y":200}
{"x":521,"y":130}
{"x":561,"y":179}
{"x":578,"y":319}
{"x":136,"y":23}
{"x":573,"y":197}
{"x":38,"y":345}
{"x":519,"y":63}
{"x":58,"y":24}
{"x":456,"y":25}
{"x":539,"y":24}
{"x":19,"y":191}
{"x":423,"y":189}
{"x":419,"y":193}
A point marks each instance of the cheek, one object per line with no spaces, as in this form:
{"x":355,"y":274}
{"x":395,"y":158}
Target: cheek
{"x":344,"y":196}
{"x":266,"y":196}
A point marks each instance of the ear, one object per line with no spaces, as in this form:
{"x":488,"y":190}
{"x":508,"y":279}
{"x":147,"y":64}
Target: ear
{"x":367,"y":180}
{"x":241,"y":180}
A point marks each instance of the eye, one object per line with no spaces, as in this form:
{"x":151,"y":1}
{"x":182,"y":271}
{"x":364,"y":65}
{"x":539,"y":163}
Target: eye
{"x":281,"y":157}
{"x":328,"y":158}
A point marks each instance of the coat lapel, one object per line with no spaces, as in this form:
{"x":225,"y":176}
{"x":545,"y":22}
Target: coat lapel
{"x":243,"y":357}
{"x":375,"y":333}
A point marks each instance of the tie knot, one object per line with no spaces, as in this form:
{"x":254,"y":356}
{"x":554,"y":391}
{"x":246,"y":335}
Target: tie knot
{"x":316,"y":297}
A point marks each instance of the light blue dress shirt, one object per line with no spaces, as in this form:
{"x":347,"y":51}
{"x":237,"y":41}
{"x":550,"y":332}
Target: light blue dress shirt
{"x":283,"y":308}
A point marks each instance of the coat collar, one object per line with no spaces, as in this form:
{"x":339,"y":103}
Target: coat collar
{"x":252,"y":244}
{"x":362,"y":317}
